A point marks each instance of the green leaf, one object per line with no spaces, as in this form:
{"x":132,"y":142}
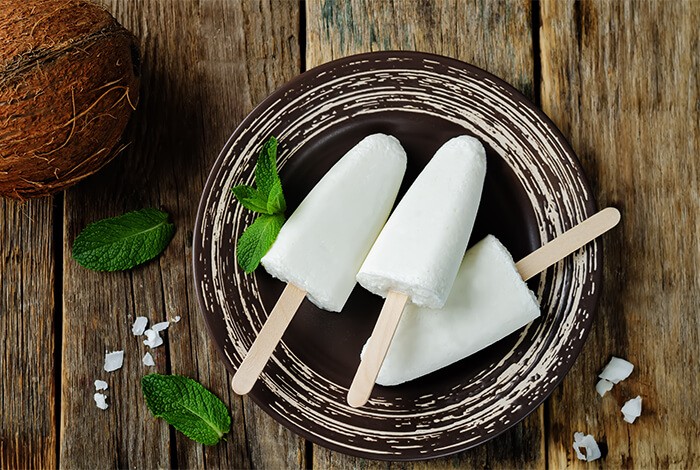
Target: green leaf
{"x":187,"y":406}
{"x":266,"y":168}
{"x":275,"y":200}
{"x":257,"y":240}
{"x":251,"y":199}
{"x":123,"y":242}
{"x":267,"y":198}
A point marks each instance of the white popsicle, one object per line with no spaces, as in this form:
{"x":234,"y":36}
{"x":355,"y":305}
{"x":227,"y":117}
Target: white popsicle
{"x":489,"y":301}
{"x":419,"y":251}
{"x":321,"y":247}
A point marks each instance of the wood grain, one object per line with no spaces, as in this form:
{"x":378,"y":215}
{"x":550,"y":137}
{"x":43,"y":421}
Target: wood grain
{"x":27,"y":382}
{"x":377,"y":347}
{"x":205,"y":65}
{"x":620,"y":80}
{"x":496,"y":36}
{"x":267,"y":340}
{"x":568,"y":242}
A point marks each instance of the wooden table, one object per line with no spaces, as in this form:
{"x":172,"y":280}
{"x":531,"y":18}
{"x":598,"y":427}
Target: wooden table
{"x":619,"y":78}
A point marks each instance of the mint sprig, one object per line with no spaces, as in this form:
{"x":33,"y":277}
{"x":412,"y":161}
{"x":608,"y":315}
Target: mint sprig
{"x":251,"y":199}
{"x":123,"y":242}
{"x":257,"y":239}
{"x":187,"y":406}
{"x":267,"y":199}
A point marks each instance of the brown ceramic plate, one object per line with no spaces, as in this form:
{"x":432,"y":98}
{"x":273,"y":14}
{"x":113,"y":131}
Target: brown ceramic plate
{"x":534,"y":190}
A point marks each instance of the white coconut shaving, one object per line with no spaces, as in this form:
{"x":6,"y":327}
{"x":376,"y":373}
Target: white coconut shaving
{"x":588,"y":443}
{"x":153,"y":339}
{"x":101,"y":401}
{"x":161,"y":326}
{"x":617,"y":370}
{"x":139,"y":326}
{"x":176,"y":319}
{"x":148,"y":360}
{"x":632,"y":409}
{"x":100,"y":385}
{"x":114,"y":360}
{"x":603,"y":386}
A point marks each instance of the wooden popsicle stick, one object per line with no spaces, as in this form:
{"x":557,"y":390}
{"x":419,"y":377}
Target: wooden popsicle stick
{"x":377,"y":347}
{"x":266,"y":341}
{"x":568,"y":242}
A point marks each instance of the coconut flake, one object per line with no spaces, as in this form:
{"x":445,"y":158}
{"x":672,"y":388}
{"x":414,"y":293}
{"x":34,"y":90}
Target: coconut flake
{"x":139,"y":326}
{"x":100,"y":385}
{"x":603,"y":386}
{"x":114,"y":360}
{"x":176,"y":319}
{"x":632,"y":409}
{"x":617,"y":370}
{"x":101,"y":400}
{"x":153,"y":339}
{"x":588,"y":444}
{"x":148,"y":360}
{"x":161,"y":326}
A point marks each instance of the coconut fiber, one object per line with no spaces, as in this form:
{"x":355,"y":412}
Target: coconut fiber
{"x":68,"y":85}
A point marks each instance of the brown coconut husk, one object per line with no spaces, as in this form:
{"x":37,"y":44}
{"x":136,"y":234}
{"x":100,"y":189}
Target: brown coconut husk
{"x":68,"y":85}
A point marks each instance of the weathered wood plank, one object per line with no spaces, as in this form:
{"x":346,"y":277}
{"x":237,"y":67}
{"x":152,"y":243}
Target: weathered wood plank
{"x":496,"y":36}
{"x":620,"y":79}
{"x":205,"y":65}
{"x":27,"y":382}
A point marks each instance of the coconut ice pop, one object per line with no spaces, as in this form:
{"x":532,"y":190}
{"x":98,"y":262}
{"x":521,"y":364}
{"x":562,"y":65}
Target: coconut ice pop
{"x":320,"y":249}
{"x":418,"y":252}
{"x":489,"y":301}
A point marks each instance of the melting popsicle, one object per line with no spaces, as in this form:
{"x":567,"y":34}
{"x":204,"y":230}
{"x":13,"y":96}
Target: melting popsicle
{"x":418,"y":252}
{"x":489,"y":300}
{"x":321,"y":247}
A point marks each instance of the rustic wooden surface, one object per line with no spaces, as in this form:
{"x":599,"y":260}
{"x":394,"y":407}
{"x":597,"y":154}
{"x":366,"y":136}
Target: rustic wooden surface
{"x":28,"y":260}
{"x":619,"y":78}
{"x":621,"y":81}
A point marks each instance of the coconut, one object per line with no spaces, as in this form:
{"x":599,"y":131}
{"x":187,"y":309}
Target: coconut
{"x":588,"y":443}
{"x":114,"y":360}
{"x":632,"y":409}
{"x":139,"y":326}
{"x":148,"y":360}
{"x":69,"y":78}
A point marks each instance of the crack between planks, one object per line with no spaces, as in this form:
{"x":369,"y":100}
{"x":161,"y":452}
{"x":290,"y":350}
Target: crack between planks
{"x":57,"y":238}
{"x":168,"y":368}
{"x":536,"y":53}
{"x":537,"y":97}
{"x":308,"y":445}
{"x":302,"y":35}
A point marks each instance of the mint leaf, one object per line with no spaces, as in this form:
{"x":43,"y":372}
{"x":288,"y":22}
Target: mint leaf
{"x":251,"y":199}
{"x":187,"y":406}
{"x":257,"y":239}
{"x":266,"y":168}
{"x":123,"y":242}
{"x":275,"y":200}
{"x":267,"y":198}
